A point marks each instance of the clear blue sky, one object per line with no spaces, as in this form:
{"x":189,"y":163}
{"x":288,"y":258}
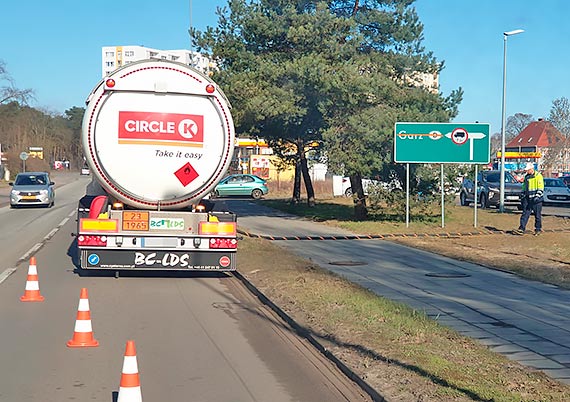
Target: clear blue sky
{"x":54,"y":47}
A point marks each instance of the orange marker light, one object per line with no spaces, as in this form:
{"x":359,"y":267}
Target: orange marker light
{"x":110,"y":83}
{"x":210,"y":88}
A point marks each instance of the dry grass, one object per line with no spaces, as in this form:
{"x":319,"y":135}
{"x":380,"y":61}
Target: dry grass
{"x":401,"y":353}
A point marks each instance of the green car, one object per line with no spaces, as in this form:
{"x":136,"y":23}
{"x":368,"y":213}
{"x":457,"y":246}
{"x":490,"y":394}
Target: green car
{"x":247,"y":185}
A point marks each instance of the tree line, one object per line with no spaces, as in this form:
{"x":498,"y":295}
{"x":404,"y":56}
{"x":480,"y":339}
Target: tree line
{"x":22,"y":127}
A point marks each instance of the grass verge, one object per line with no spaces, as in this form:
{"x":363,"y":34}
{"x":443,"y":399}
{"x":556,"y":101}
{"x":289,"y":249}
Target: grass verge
{"x":400,"y":352}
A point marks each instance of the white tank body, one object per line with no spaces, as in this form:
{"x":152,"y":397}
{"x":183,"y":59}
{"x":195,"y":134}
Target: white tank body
{"x":158,"y":134}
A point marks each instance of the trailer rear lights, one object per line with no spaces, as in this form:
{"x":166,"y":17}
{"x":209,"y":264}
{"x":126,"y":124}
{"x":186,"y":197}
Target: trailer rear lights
{"x":98,"y":225}
{"x":200,"y":208}
{"x":223,"y":243}
{"x":217,"y":228}
{"x":118,"y":206}
{"x":110,"y":83}
{"x":210,"y":88}
{"x":100,"y":241}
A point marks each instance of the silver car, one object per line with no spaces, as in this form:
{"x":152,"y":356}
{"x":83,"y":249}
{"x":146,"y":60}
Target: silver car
{"x":556,"y":192}
{"x":31,"y":189}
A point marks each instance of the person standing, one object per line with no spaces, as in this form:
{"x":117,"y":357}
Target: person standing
{"x":532,"y":198}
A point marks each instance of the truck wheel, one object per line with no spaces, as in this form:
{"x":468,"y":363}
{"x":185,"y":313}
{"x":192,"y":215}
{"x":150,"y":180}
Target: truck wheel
{"x":484,"y":202}
{"x":463,"y":200}
{"x":348,"y":192}
{"x":256,"y":194}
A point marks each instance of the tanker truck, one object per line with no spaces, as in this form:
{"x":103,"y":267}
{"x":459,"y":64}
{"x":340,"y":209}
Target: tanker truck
{"x":157,"y":136}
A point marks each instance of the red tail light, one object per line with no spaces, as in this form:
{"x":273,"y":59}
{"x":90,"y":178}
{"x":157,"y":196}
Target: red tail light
{"x":100,"y":241}
{"x":223,"y":243}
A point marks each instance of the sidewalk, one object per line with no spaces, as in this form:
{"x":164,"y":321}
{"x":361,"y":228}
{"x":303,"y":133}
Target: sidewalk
{"x":526,"y":321}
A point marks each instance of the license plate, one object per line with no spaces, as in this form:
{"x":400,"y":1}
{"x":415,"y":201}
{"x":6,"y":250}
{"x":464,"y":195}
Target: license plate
{"x":29,"y":197}
{"x":512,"y":197}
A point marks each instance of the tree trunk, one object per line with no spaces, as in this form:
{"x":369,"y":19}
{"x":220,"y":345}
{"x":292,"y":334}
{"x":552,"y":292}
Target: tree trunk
{"x":360,"y":210}
{"x":297,"y":185}
{"x":308,"y":182}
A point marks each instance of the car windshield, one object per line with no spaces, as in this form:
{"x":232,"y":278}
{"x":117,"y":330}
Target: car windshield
{"x":30,"y":180}
{"x":495,"y":177}
{"x":554,"y":183}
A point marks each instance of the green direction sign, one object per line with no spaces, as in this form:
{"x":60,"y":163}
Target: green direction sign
{"x":441,"y":143}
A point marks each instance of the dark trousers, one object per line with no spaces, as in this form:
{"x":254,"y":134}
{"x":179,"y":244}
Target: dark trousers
{"x":530,"y":207}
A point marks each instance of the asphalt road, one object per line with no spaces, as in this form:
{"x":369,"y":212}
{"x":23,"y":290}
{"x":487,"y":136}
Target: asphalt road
{"x":199,"y":337}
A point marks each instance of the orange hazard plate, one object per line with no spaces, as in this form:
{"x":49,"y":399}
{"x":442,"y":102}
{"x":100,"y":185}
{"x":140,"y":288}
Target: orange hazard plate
{"x":135,"y":220}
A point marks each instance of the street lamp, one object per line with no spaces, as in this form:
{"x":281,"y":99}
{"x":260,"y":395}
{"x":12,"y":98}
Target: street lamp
{"x":504,"y":118}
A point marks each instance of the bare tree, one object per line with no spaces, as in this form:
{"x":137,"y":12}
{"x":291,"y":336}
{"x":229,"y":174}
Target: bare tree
{"x":516,"y":124}
{"x":560,"y":118}
{"x":8,"y":90}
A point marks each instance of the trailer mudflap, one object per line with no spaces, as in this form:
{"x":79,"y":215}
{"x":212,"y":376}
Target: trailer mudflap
{"x":158,"y":260}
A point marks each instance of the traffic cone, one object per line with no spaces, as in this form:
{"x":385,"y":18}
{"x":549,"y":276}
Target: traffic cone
{"x":32,"y":292}
{"x":130,"y":388}
{"x":83,"y":335}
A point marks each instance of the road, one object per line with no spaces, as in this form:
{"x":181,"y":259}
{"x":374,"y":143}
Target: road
{"x":524,"y":320}
{"x":199,"y":337}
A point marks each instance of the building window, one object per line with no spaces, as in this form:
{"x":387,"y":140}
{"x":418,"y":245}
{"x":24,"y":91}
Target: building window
{"x":110,"y":64}
{"x":109,"y":54}
{"x":129,"y":53}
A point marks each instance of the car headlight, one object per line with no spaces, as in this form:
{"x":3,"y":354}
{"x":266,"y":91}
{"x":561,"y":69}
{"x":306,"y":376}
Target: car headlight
{"x":14,"y":192}
{"x":43,"y":192}
{"x":494,"y":189}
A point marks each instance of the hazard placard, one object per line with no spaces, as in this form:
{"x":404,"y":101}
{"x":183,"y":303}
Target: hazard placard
{"x":186,"y":174}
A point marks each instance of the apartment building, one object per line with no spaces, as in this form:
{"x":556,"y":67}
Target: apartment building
{"x":113,"y":57}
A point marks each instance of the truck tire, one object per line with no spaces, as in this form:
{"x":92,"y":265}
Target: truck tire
{"x":348,"y":192}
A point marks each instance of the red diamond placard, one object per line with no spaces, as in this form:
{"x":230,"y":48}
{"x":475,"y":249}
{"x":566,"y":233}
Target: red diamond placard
{"x":186,"y":174}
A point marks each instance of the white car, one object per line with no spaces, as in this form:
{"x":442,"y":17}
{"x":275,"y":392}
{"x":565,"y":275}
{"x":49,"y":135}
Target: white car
{"x":556,"y":192}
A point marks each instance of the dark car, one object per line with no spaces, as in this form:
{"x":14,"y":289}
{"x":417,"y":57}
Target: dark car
{"x":488,"y":189}
{"x":566,"y":180}
{"x":247,"y":185}
{"x":32,"y":189}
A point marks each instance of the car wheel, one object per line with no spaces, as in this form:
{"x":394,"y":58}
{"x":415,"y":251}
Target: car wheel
{"x":484,"y":201}
{"x":256,"y":194}
{"x":348,"y":192}
{"x":463,"y":200}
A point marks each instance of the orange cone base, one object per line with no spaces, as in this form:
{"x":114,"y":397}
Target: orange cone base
{"x":82,"y":341}
{"x":32,"y":297}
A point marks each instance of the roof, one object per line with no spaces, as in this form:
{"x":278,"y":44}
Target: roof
{"x":539,"y":133}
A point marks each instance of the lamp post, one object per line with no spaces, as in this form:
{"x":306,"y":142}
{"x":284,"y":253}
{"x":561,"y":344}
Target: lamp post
{"x":504,"y":118}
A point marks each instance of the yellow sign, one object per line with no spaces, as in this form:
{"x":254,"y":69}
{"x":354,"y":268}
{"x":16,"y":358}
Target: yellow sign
{"x":520,"y":155}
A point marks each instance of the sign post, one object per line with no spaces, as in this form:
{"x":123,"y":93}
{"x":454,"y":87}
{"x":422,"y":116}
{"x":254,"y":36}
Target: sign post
{"x":23,"y":157}
{"x":467,"y":143}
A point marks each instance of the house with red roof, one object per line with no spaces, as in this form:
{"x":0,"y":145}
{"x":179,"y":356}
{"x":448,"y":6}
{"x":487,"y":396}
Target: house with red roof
{"x":540,"y":143}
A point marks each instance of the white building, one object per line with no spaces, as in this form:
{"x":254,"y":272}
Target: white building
{"x":113,"y":57}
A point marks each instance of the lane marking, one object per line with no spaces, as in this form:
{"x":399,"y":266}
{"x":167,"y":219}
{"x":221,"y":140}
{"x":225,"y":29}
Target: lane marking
{"x":4,"y":275}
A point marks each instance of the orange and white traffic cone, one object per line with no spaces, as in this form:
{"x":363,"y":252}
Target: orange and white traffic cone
{"x":83,"y":335}
{"x":32,"y":292}
{"x":130,"y":388}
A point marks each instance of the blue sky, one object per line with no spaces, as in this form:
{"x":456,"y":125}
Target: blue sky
{"x":54,"y":47}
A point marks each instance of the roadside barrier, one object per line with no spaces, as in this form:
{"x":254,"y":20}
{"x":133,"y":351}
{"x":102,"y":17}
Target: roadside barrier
{"x":130,"y":387}
{"x":83,"y":334}
{"x":32,"y":292}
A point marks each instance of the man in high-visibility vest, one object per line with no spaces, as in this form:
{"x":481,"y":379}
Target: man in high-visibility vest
{"x":532,"y":198}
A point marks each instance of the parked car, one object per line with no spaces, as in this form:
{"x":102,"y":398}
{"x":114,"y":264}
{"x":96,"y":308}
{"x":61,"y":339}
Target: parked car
{"x":367,"y":184}
{"x":556,"y":192}
{"x":85,"y":170}
{"x":247,"y":185}
{"x":566,"y":180}
{"x":488,"y":189}
{"x":32,"y":189}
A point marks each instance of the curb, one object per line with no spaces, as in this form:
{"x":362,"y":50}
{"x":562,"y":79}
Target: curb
{"x":390,"y":236}
{"x":305,"y":334}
